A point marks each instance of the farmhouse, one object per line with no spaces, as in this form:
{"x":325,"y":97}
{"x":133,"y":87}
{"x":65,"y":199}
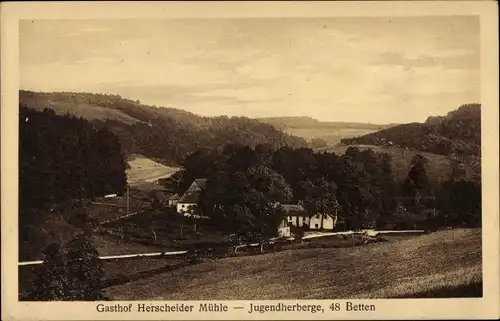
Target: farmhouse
{"x":297,"y":216}
{"x":189,"y":200}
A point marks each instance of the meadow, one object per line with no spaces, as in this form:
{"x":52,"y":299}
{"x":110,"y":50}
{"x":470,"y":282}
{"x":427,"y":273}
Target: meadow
{"x":444,"y":263}
{"x":331,"y":136}
{"x":145,"y":171}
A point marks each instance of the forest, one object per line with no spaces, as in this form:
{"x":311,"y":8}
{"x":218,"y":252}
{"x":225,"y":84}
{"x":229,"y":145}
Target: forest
{"x":458,"y":133}
{"x":166,"y":134}
{"x":246,"y":184}
{"x":63,"y":159}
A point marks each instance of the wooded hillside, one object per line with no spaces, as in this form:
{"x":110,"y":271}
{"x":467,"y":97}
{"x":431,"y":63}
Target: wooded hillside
{"x":163,"y":133}
{"x":459,"y":133}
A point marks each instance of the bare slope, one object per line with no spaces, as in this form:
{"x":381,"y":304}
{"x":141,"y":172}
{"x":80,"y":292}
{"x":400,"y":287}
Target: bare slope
{"x":144,"y":170}
{"x":77,"y":105}
{"x":417,"y":266}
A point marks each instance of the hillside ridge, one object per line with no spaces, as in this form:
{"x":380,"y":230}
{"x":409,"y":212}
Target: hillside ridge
{"x":163,"y":133}
{"x":457,"y":133}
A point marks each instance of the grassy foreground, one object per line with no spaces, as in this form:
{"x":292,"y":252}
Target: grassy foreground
{"x":445,"y":263}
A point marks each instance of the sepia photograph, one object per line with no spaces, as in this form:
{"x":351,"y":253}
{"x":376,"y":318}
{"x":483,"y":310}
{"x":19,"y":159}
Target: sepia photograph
{"x":209,"y":159}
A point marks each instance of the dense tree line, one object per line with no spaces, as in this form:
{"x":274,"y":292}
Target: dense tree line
{"x":166,"y":134}
{"x":459,"y":133}
{"x":246,"y":184}
{"x":70,"y":273}
{"x":64,"y":157}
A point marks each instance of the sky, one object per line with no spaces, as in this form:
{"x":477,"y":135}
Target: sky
{"x":378,"y":70}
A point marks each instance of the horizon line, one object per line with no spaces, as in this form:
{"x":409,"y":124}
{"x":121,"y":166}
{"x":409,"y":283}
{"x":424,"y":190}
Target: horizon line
{"x":241,"y":116}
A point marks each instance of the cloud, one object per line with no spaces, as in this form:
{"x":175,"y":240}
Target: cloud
{"x":361,"y":69}
{"x":460,"y":61}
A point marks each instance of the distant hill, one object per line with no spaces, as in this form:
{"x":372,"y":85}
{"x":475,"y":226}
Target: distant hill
{"x":308,"y":122}
{"x":439,"y":166}
{"x":330,"y":132}
{"x":167,"y":134}
{"x":457,"y":133}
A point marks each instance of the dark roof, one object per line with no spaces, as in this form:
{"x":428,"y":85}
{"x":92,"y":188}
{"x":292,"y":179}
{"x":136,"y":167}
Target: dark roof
{"x":298,"y":210}
{"x":192,"y":194}
{"x":201,"y":182}
{"x":292,"y":208}
{"x":190,"y":198}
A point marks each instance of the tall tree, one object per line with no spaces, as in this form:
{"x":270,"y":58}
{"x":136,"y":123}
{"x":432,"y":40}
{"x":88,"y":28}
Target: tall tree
{"x":85,"y":269}
{"x":52,"y":282}
{"x":417,"y":189}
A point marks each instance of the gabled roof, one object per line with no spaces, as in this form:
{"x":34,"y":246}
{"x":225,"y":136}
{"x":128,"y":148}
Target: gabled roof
{"x":298,"y":210}
{"x":192,"y":194}
{"x":292,"y":208}
{"x":328,"y":214}
{"x":201,"y":182}
{"x":190,"y":198}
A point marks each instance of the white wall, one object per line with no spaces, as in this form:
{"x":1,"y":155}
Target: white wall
{"x":183,"y":207}
{"x":298,"y":221}
{"x":315,"y":223}
{"x":328,"y":222}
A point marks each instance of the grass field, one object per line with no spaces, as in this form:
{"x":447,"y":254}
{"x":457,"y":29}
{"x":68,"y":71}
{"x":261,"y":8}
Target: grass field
{"x":67,"y":103}
{"x":144,"y":170}
{"x":331,"y":136}
{"x":439,"y":165}
{"x":437,"y":264}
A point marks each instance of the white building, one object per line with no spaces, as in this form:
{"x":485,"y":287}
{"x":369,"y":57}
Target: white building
{"x":297,"y":216}
{"x":189,"y":200}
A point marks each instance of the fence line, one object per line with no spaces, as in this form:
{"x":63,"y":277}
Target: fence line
{"x":114,"y":257}
{"x":271,"y":241}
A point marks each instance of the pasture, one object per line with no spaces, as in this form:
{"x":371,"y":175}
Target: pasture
{"x":332,"y":136}
{"x":144,"y":171}
{"x":444,"y":263}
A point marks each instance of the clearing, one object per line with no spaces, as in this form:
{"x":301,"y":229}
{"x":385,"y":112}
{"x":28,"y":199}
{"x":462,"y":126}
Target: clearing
{"x":332,"y":136}
{"x":444,"y":263}
{"x":144,"y":171}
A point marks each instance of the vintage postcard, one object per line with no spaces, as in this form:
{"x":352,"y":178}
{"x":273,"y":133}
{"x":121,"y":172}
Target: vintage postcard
{"x":250,"y":160}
